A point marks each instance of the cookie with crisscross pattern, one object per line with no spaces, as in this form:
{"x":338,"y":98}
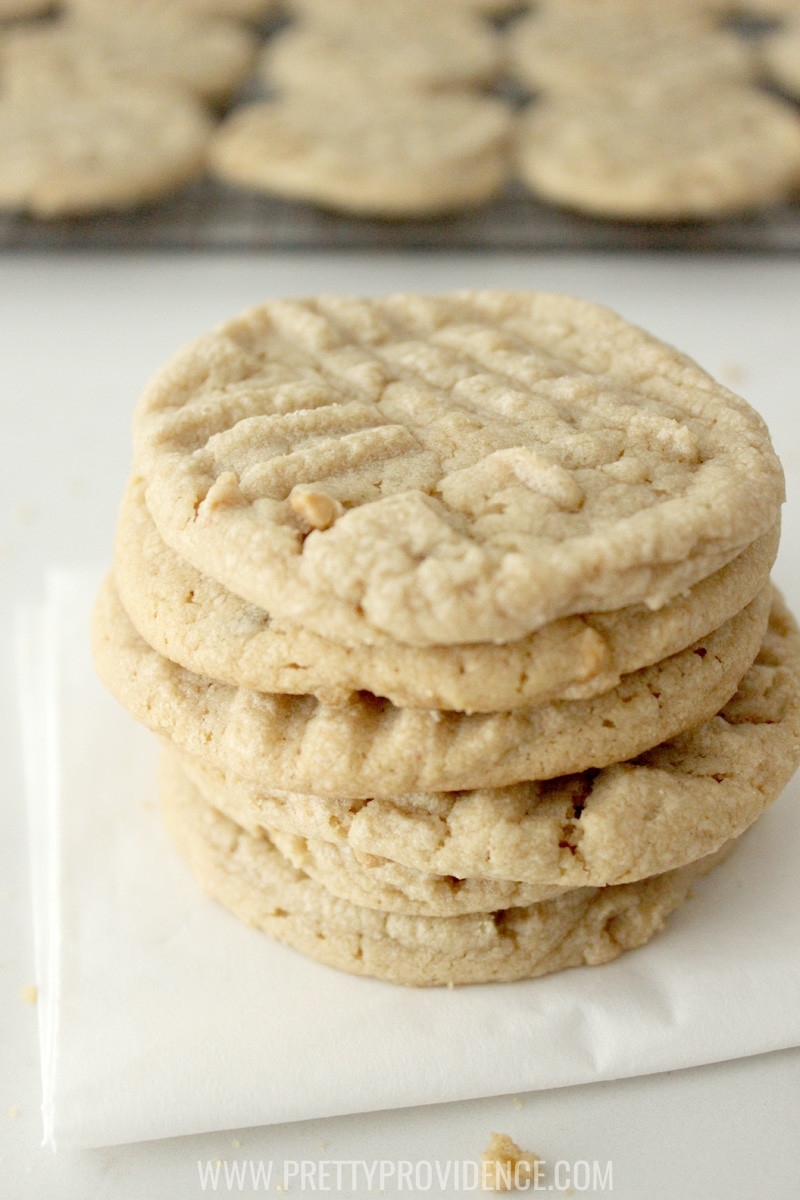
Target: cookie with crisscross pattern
{"x":449,"y":469}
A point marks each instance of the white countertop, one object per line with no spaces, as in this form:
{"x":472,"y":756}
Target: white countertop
{"x":78,"y":337}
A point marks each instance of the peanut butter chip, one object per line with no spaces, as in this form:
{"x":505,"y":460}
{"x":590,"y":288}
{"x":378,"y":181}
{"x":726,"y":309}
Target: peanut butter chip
{"x":317,"y":509}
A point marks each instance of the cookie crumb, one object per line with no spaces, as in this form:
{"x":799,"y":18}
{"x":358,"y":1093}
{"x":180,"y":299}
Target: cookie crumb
{"x":517,"y":1103}
{"x":317,"y":509}
{"x":13,"y":1113}
{"x":30,"y":993}
{"x":505,"y":1166}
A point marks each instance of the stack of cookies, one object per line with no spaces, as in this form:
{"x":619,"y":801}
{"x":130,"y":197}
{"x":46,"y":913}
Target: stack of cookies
{"x":454,"y":615}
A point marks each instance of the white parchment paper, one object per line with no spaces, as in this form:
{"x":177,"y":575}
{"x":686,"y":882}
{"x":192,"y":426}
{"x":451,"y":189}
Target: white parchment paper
{"x":160,"y":1014}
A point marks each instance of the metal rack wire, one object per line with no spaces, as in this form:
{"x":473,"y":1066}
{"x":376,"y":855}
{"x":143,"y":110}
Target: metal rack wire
{"x":211,"y":216}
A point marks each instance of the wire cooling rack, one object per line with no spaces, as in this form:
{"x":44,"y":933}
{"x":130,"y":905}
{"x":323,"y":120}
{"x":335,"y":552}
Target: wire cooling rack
{"x":209,"y":216}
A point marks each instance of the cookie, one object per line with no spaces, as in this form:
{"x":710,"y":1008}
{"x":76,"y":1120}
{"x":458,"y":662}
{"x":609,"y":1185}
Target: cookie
{"x":82,"y":151}
{"x":390,"y":887}
{"x":675,"y":803}
{"x":403,"y":156}
{"x":367,"y":747}
{"x":450,"y":469}
{"x":407,"y":45}
{"x":699,"y":154}
{"x":208,"y":59}
{"x":192,"y":620}
{"x":248,"y":875}
{"x":615,"y":46}
{"x":364,"y":878}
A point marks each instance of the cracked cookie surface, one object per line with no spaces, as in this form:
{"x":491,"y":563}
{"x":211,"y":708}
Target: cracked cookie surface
{"x":247,"y":874}
{"x":367,"y":879}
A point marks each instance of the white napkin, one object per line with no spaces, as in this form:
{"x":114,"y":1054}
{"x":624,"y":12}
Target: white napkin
{"x":161,"y":1014}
